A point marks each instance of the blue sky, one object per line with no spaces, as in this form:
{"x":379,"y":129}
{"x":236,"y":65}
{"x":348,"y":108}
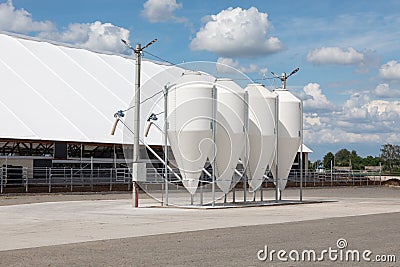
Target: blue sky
{"x":348,"y":51}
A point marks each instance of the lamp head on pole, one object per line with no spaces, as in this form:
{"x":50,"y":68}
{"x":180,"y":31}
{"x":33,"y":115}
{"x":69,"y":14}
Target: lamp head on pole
{"x":283,"y":77}
{"x":139,"y":49}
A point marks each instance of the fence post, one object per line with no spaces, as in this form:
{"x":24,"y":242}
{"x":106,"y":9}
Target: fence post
{"x":49,"y":179}
{"x":201,"y":193}
{"x":26,"y":181}
{"x":129,"y":181}
{"x":1,"y":176}
{"x":314,"y":178}
{"x":91,"y":174}
{"x":111,"y":174}
{"x":72,"y":178}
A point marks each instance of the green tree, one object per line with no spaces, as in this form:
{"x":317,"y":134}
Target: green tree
{"x":371,"y":161}
{"x":356,"y":161}
{"x":390,"y":155}
{"x":327,"y":160}
{"x":342,"y":158}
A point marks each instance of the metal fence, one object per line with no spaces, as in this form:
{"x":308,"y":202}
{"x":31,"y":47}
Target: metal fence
{"x":21,"y":179}
{"x":15,"y":178}
{"x":336,"y":178}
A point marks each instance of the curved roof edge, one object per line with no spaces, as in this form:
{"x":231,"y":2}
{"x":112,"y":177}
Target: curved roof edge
{"x":103,"y":52}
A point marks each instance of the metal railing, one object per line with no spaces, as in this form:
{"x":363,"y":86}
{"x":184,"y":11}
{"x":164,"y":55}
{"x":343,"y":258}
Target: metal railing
{"x":335,"y":178}
{"x":13,"y":178}
{"x":42,"y":179}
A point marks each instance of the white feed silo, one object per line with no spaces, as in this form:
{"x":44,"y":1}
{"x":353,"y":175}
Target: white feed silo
{"x":189,"y":125}
{"x":289,"y":135}
{"x":261,"y":130}
{"x":230,"y":133}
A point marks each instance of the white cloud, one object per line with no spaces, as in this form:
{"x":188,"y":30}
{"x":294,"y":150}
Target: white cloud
{"x":383,"y":90}
{"x":390,"y":71}
{"x":385,"y":111}
{"x":161,"y":11}
{"x":96,"y":35}
{"x":228,"y":65}
{"x":354,"y":109}
{"x":360,"y":114}
{"x":360,"y":120}
{"x":312,"y":120}
{"x":237,"y":32}
{"x":314,"y":100}
{"x":339,"y":136}
{"x":20,"y":20}
{"x":335,"y":56}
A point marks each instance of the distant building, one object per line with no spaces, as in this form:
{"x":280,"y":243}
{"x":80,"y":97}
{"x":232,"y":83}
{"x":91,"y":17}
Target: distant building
{"x":373,"y":168}
{"x":306,"y":151}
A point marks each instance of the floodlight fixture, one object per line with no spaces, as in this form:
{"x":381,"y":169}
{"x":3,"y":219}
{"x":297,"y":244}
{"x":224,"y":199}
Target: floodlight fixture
{"x":284,"y":77}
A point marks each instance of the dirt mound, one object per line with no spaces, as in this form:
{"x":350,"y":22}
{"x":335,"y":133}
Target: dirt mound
{"x":392,"y":182}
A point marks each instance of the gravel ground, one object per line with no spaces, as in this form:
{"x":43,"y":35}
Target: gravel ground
{"x":237,"y":246}
{"x":15,"y":199}
{"x":329,"y":192}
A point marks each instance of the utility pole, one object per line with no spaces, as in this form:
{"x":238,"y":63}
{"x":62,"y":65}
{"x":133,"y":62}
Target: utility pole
{"x":138,"y":168}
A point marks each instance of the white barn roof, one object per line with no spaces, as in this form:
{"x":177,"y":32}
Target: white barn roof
{"x":61,"y":93}
{"x":306,"y":149}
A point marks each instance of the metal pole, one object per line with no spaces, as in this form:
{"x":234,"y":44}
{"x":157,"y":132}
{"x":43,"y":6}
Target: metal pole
{"x":72,"y":178}
{"x":201,"y":193}
{"x":246,"y":144}
{"x":301,"y":151}
{"x":1,"y":175}
{"x":331,"y":175}
{"x":166,"y":143}
{"x":136,"y":122}
{"x":111,"y":175}
{"x":65,"y":178}
{"x":26,"y":181}
{"x":214,"y":150}
{"x":136,"y":125}
{"x":6,"y":174}
{"x":80,"y":165}
{"x":91,"y":173}
{"x":276,"y":148}
{"x":49,"y":179}
{"x":380,"y":173}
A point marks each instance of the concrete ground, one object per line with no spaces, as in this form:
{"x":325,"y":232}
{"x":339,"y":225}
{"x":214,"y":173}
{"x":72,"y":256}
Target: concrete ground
{"x":104,"y":230}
